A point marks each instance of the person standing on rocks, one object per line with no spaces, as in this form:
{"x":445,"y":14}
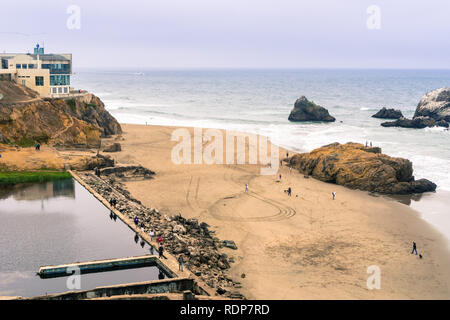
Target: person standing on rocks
{"x":414,"y":248}
{"x":180,"y":263}
{"x":152,"y":234}
{"x":136,"y":220}
{"x":161,"y":251}
{"x":159,"y":240}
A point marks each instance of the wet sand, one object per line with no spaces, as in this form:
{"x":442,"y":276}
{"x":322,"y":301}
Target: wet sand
{"x":306,"y":246}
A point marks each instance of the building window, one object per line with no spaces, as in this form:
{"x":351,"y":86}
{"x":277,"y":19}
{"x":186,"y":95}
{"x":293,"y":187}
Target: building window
{"x":53,"y":90}
{"x":31,"y":66}
{"x":39,"y":81}
{"x":65,"y":89}
{"x":60,"y":80}
{"x":18,"y":66}
{"x":4,"y":64}
{"x":57,"y":68}
{"x":24,"y":66}
{"x":59,"y":90}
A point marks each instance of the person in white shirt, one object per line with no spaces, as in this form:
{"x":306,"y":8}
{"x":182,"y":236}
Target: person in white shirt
{"x":152,"y":234}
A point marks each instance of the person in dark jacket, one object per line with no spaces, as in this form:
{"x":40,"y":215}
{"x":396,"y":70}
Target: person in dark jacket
{"x":414,"y":248}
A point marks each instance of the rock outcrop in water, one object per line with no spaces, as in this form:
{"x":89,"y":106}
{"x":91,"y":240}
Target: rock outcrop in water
{"x":305,"y":110}
{"x":432,"y":110}
{"x":357,"y":167}
{"x":25,"y":118}
{"x":388,"y":114}
{"x":435,"y":104}
{"x":417,"y":123}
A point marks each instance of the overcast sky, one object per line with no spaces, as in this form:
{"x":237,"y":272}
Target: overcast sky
{"x":233,"y":33}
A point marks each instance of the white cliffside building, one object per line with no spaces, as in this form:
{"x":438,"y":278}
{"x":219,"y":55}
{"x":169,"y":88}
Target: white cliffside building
{"x":48,"y":74}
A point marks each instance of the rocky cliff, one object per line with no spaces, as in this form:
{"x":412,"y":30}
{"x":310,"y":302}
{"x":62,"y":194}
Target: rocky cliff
{"x":305,"y":110}
{"x":25,"y":118}
{"x":357,"y":167}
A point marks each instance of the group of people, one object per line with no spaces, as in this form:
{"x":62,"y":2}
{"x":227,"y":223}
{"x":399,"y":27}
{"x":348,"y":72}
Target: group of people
{"x":367,"y":144}
{"x":113,"y":202}
{"x":37,"y":147}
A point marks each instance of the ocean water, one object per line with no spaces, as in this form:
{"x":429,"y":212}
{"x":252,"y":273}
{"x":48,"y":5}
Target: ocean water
{"x":259,"y":101}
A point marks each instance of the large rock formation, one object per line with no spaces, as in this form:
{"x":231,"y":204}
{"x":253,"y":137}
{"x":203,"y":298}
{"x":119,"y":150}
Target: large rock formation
{"x":305,"y":110}
{"x":357,"y":167}
{"x":432,"y":110}
{"x":388,"y":114}
{"x":25,"y":118}
{"x":417,"y":123}
{"x":435,"y":104}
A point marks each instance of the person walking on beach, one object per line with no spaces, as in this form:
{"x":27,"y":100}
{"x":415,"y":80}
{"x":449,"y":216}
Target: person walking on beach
{"x":290,"y":170}
{"x":280,"y":177}
{"x":180,"y":263}
{"x":289,"y":191}
{"x":334,"y":194}
{"x":414,"y":248}
{"x":246,"y":187}
{"x":161,"y":251}
{"x":152,"y":234}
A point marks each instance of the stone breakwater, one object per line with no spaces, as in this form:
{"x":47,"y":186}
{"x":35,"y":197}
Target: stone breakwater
{"x":183,"y":236}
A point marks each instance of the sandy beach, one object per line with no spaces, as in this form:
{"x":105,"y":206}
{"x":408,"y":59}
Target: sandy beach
{"x":307,"y":246}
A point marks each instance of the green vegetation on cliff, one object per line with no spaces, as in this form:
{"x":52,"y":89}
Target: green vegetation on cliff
{"x":14,"y":177}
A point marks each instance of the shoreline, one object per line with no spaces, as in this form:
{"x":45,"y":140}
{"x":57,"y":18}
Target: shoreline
{"x":320,"y":250}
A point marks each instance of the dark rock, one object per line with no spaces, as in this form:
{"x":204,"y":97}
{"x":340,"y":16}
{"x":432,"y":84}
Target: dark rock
{"x":442,"y":123}
{"x":229,"y":244}
{"x":388,"y":114}
{"x":129,"y":172}
{"x":418,"y":123}
{"x":305,"y":110}
{"x":352,"y":166}
{"x":115,"y":147}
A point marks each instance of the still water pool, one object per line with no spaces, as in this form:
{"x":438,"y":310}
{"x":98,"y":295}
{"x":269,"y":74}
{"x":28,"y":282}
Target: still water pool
{"x":60,"y":222}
